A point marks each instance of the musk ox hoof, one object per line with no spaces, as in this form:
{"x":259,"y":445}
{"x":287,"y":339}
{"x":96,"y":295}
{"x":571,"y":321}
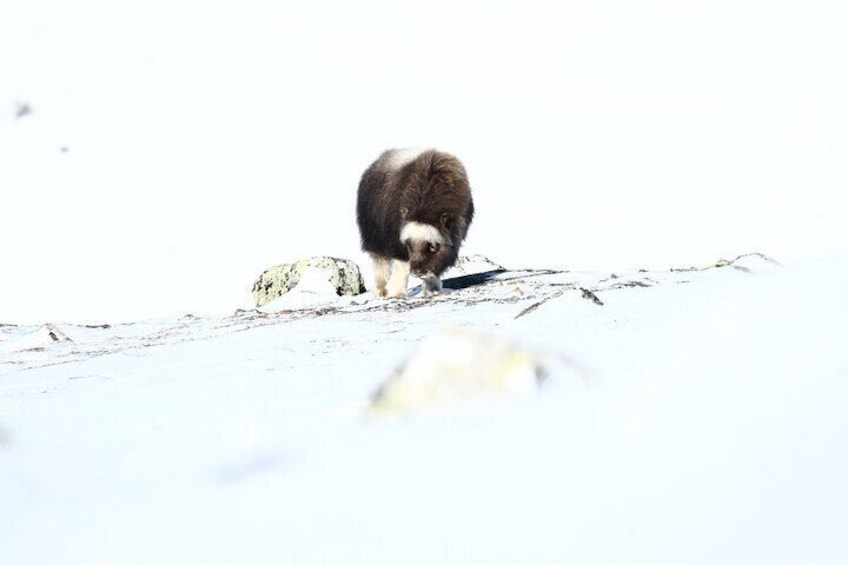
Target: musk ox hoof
{"x":387,"y":294}
{"x":430,"y":286}
{"x":430,"y":293}
{"x":396,"y":294}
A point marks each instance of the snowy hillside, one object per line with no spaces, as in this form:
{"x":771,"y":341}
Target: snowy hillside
{"x":696,"y":416}
{"x":173,"y":151}
{"x":592,"y":402}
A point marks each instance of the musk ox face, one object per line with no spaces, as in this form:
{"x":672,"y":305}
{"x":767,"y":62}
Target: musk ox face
{"x":427,"y":259}
{"x":413,"y":211}
{"x":429,"y":247}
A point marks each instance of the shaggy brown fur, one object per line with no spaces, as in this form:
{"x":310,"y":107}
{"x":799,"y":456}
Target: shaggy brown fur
{"x":429,"y":194}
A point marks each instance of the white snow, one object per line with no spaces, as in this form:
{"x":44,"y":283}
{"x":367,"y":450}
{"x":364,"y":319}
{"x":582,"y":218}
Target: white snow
{"x":173,"y":151}
{"x":697,"y":420}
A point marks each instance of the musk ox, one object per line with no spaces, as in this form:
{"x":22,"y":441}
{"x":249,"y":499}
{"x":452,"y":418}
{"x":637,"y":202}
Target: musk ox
{"x":413,"y":209}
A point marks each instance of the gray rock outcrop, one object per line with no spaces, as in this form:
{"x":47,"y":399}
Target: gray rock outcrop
{"x":343,"y":274}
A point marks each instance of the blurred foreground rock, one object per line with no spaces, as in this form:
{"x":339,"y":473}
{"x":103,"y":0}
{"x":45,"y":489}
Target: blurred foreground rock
{"x":343,"y":274}
{"x":455,"y":367}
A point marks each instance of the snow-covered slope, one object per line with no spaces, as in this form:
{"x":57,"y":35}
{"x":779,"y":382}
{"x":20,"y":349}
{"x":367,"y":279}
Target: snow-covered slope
{"x":174,"y":151}
{"x":697,"y":416}
{"x":171,"y":151}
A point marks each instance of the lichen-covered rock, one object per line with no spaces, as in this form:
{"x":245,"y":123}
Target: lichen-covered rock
{"x":457,"y":366}
{"x":343,"y":274}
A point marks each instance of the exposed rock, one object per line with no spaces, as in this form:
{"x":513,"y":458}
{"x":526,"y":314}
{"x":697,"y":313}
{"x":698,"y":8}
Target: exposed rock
{"x":47,"y":337}
{"x":746,"y":263}
{"x":343,"y":274}
{"x":54,"y":333}
{"x":312,"y":293}
{"x":22,"y":109}
{"x":471,"y":264}
{"x":589,"y":295}
{"x":457,"y":366}
{"x":535,"y":305}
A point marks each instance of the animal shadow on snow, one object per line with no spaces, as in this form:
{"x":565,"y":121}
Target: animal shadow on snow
{"x":465,"y":281}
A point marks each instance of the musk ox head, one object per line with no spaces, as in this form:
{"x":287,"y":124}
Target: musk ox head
{"x":430,"y":247}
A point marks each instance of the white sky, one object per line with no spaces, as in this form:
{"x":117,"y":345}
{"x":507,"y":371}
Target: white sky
{"x":206,"y":143}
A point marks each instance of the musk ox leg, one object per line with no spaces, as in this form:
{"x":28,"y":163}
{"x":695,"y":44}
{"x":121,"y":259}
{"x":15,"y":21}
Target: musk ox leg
{"x":382,"y":271}
{"x":399,"y":279}
{"x":431,"y":284}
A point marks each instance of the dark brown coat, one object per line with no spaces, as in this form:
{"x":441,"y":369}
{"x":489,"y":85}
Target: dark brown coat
{"x":402,"y":187}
